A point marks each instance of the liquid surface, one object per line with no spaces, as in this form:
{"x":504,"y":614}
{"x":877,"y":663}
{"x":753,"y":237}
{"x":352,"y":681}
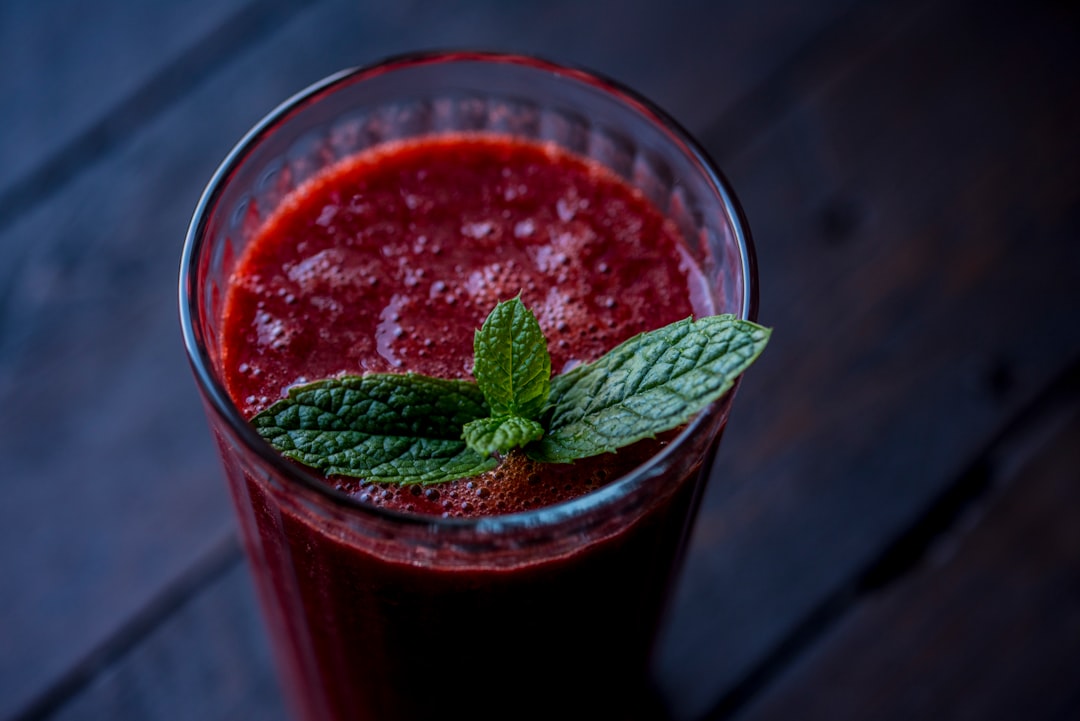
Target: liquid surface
{"x":389,"y":261}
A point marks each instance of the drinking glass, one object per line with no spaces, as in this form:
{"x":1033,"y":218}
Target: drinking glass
{"x":379,"y":615}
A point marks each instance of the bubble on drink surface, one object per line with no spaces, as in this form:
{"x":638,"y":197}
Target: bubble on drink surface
{"x":273,"y":332}
{"x":412,"y":277}
{"x":325,"y":303}
{"x":390,"y":330}
{"x":326,"y":216}
{"x":566,"y":208}
{"x":332,"y":268}
{"x":549,"y":258}
{"x":358,"y":206}
{"x":251,"y":283}
{"x":577,"y":240}
{"x":478,"y":229}
{"x":489,"y":284}
{"x":524,"y":228}
{"x":565,"y":314}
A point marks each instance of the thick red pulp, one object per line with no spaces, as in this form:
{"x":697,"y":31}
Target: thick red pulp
{"x":389,"y":262}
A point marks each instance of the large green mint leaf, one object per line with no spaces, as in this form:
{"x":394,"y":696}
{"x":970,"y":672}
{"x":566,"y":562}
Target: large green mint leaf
{"x":512,"y":364}
{"x":651,"y":383}
{"x":381,"y":427}
{"x":499,"y":435}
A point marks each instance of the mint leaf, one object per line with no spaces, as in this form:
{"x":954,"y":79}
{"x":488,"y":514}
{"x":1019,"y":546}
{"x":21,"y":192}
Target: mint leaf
{"x":651,"y":383}
{"x":512,"y":365}
{"x":380,"y":427}
{"x":499,"y":435}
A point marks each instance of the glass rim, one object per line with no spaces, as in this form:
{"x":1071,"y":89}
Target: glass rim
{"x":216,"y":396}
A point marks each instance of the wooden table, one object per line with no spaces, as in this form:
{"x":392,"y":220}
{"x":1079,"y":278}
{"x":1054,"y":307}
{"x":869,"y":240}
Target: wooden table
{"x":893,"y":529}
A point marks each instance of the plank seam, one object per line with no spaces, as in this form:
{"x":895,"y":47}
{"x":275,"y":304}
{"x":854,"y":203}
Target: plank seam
{"x":244,"y":28}
{"x":222,"y":558}
{"x":936,"y":526}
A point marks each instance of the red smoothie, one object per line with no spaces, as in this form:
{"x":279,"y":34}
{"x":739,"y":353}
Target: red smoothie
{"x":388,"y":262}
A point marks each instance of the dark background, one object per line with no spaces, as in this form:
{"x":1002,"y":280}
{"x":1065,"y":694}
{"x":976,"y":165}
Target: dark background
{"x":893,"y":529}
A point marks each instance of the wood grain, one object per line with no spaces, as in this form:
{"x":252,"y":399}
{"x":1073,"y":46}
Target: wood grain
{"x":231,"y":677}
{"x":72,"y":68}
{"x":987,"y":628}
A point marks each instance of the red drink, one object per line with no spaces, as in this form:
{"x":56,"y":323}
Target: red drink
{"x":390,"y":260}
{"x":533,"y":591}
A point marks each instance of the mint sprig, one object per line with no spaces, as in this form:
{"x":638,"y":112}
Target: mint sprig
{"x":512,"y":367}
{"x":410,"y":428}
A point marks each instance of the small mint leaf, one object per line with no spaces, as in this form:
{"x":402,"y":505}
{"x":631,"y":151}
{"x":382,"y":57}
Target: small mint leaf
{"x":499,"y":435}
{"x":512,"y":365}
{"x":380,"y":427}
{"x":651,"y":383}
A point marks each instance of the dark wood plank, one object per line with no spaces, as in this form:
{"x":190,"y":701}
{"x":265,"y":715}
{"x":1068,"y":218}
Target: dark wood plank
{"x":60,"y":78}
{"x":916,"y":213}
{"x":114,"y":490}
{"x":988,"y":627}
{"x":162,"y":679}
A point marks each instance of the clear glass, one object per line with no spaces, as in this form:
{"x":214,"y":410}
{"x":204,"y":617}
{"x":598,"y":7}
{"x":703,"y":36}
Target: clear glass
{"x":384,"y":616}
